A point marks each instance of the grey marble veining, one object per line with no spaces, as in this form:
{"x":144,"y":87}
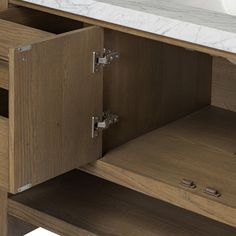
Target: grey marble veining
{"x":175,"y":10}
{"x":169,"y":18}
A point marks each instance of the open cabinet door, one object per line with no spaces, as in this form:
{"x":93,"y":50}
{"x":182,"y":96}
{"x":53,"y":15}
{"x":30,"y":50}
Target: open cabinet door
{"x":53,"y":96}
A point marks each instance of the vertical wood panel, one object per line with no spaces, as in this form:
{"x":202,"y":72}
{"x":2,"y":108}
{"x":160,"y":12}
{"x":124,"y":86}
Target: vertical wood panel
{"x":53,"y":96}
{"x":224,"y":84}
{"x":3,"y":4}
{"x":3,"y":213}
{"x":4,"y":154}
{"x":152,"y":84}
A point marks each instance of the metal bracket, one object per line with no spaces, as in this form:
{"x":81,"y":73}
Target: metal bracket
{"x":212,"y":192}
{"x":188,"y":183}
{"x":107,"y":120}
{"x":24,"y":188}
{"x":25,"y":48}
{"x":103,"y":59}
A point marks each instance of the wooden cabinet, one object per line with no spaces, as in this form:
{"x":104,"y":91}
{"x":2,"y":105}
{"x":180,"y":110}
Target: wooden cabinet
{"x":174,"y":140}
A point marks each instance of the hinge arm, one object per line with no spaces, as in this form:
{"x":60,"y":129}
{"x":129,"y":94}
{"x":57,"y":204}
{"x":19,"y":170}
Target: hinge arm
{"x":103,"y":59}
{"x":108,"y":120}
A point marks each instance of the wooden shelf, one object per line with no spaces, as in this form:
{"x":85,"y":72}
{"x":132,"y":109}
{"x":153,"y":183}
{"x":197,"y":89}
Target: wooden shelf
{"x":200,"y":147}
{"x":4,"y":75}
{"x":13,"y":35}
{"x":81,"y":204}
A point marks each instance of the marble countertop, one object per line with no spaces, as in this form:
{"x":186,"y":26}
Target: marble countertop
{"x":170,"y":18}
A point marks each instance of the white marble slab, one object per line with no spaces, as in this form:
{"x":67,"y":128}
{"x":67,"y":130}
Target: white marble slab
{"x":169,"y":18}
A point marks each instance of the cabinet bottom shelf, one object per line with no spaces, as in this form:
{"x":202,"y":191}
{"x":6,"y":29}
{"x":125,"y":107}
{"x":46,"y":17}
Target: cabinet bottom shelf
{"x":200,"y":147}
{"x":78,"y":204}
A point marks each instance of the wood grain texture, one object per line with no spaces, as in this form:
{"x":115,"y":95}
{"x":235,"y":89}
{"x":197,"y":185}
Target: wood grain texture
{"x":4,"y":75}
{"x":53,"y":96}
{"x":210,"y":51}
{"x":3,"y":213}
{"x":45,"y":220}
{"x":103,"y":208}
{"x":40,"y":20}
{"x":151,"y":85}
{"x":4,"y":153}
{"x":3,"y":4}
{"x":224,"y":84}
{"x":18,"y":227}
{"x":200,"y":147}
{"x":13,"y":35}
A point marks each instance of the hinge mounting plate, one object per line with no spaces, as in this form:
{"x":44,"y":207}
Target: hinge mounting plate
{"x":107,"y":120}
{"x":103,"y":59}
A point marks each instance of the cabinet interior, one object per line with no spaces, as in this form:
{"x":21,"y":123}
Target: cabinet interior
{"x":177,"y":122}
{"x":40,"y":20}
{"x":3,"y":103}
{"x":154,"y":84}
{"x":104,"y":208}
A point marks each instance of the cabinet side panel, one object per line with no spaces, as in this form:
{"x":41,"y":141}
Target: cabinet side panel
{"x":4,"y":157}
{"x":224,"y":84}
{"x":3,"y":213}
{"x":3,"y":4}
{"x":53,"y":96}
{"x":151,"y":85}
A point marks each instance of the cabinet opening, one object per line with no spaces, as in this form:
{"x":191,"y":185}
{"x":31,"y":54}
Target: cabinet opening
{"x":3,"y":103}
{"x":90,"y":205}
{"x":177,"y":125}
{"x":40,"y":20}
{"x":4,"y":75}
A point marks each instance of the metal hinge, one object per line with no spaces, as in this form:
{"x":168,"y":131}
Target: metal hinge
{"x":103,"y":59}
{"x":107,"y":120}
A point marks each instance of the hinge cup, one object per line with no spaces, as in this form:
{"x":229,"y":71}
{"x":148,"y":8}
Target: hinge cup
{"x":103,"y":59}
{"x":108,"y":120}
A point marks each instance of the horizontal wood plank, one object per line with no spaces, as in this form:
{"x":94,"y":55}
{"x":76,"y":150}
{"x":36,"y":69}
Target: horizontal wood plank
{"x":13,"y":35}
{"x":200,"y":147}
{"x":78,"y":204}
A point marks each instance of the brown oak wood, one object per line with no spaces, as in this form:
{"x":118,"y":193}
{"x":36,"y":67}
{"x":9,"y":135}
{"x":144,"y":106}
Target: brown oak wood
{"x":3,"y":213}
{"x":180,"y":43}
{"x":18,"y":227}
{"x":151,"y":85}
{"x":3,"y":4}
{"x":224,"y":84}
{"x":4,"y":75}
{"x":4,"y":156}
{"x":13,"y":35}
{"x":51,"y":106}
{"x":103,"y":208}
{"x":200,"y":147}
{"x":40,"y":20}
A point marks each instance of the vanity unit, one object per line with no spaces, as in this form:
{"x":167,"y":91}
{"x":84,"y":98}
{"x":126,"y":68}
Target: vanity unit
{"x":117,"y":118}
